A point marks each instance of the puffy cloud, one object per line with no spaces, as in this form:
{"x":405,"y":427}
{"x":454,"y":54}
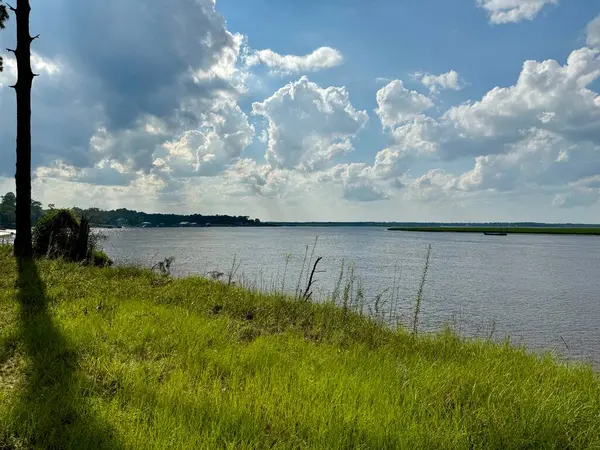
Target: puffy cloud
{"x":321,"y":58}
{"x":226,"y":74}
{"x":358,"y":182}
{"x":507,"y":11}
{"x":542,"y":159}
{"x":120,"y":92}
{"x":348,"y":172}
{"x":364,"y":192}
{"x":593,"y":33}
{"x":309,"y":125}
{"x":542,"y":163}
{"x":391,"y":163}
{"x":435,"y":83}
{"x":419,"y":136}
{"x":105,"y":173}
{"x":547,"y":96}
{"x":398,"y":104}
{"x":435,"y":185}
{"x":413,"y":134}
{"x":145,"y":61}
{"x":134,"y":147}
{"x":223,"y":134}
{"x":205,"y":149}
{"x":247,"y":178}
{"x":362,"y":182}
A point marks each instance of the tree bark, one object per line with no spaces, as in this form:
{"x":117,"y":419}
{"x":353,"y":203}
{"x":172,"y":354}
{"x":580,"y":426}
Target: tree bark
{"x":23,"y":245}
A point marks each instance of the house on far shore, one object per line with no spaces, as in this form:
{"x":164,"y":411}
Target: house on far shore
{"x":184,"y":224}
{"x":146,"y":224}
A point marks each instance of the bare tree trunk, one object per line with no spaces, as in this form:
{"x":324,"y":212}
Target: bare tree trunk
{"x":23,"y":247}
{"x":83,"y":239}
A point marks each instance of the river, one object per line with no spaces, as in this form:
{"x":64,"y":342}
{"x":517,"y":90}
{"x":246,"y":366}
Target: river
{"x":541,"y":291}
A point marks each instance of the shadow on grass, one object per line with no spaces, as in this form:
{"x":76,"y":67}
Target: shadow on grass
{"x":53,"y":410}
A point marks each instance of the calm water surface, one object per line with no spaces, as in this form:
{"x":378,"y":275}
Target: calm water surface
{"x":542,"y":291}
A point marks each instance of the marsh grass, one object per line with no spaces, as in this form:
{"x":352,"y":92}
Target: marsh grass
{"x":419,"y":299}
{"x":510,"y":229}
{"x":124,"y":358}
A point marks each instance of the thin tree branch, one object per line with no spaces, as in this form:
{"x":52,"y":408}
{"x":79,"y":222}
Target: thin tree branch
{"x":307,"y":291}
{"x":33,"y":38}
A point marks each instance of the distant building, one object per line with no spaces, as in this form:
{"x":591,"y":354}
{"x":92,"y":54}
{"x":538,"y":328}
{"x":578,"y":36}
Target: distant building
{"x":184,"y":224}
{"x":146,"y":224}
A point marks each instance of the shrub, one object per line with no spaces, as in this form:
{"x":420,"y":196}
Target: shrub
{"x":56,"y":234}
{"x":59,"y":234}
{"x":99,"y":258}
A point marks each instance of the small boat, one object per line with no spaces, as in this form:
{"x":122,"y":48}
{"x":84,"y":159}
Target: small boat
{"x":495,"y":233}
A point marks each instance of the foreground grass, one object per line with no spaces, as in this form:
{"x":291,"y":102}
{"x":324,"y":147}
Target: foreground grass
{"x":509,"y":230}
{"x":121,"y":358}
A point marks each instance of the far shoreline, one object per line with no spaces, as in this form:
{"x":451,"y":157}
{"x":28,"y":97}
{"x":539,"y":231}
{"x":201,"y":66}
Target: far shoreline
{"x":560,"y":230}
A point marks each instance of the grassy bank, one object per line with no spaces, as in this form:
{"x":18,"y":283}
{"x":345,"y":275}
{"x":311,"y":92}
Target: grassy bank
{"x":509,"y":230}
{"x":122,"y":358}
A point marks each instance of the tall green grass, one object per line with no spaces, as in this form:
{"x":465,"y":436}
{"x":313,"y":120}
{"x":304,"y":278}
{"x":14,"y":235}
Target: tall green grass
{"x":124,"y":358}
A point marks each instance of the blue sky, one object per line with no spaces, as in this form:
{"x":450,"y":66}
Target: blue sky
{"x":316,"y":110}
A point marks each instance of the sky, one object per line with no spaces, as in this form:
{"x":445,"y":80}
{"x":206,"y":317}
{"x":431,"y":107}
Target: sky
{"x":328,"y":110}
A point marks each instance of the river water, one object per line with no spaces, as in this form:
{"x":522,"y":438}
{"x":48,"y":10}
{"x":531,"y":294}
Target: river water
{"x":541,"y":291}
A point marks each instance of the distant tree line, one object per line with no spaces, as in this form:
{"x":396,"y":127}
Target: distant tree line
{"x":126,"y":217}
{"x":8,"y":208}
{"x":122,"y":217}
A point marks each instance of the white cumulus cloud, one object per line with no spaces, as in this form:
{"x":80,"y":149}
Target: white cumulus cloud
{"x":309,"y":125}
{"x":436,"y":83}
{"x":510,"y":11}
{"x":593,"y":33}
{"x":397,"y":104}
{"x":321,"y":58}
{"x":363,"y":182}
{"x":435,"y":185}
{"x":542,"y":158}
{"x":547,"y":96}
{"x":358,"y":182}
{"x":364,"y":192}
{"x":124,"y":97}
{"x":220,"y":139}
